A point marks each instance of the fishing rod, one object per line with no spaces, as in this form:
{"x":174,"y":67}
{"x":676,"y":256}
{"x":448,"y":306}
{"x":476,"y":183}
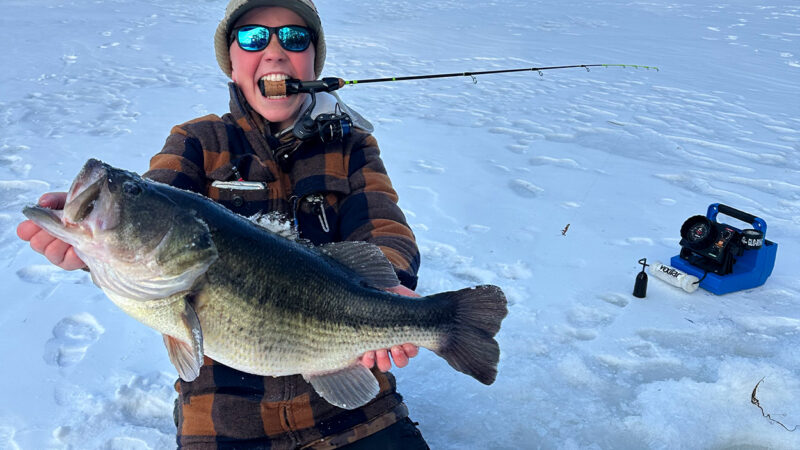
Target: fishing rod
{"x":328,"y":84}
{"x":331,"y":127}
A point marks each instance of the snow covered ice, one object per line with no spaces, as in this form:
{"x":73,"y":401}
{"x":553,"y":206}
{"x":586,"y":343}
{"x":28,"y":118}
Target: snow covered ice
{"x":488,"y":173}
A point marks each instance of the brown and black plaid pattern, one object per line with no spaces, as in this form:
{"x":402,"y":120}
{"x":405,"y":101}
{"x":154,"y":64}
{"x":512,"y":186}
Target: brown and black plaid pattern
{"x":360,"y":203}
{"x":225,"y":408}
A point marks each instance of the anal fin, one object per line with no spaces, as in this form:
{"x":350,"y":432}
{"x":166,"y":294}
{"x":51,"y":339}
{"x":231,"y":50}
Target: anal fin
{"x":348,"y":388}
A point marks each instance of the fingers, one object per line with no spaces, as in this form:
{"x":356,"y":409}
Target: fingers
{"x":55,"y":250}
{"x":402,"y":290}
{"x":368,"y":359}
{"x":27,"y":229}
{"x":399,"y":353}
{"x":72,"y":261}
{"x":411,"y":350}
{"x":53,"y":200}
{"x":379,"y":357}
{"x":382,"y":360}
{"x":63,"y":255}
{"x":399,"y":356}
{"x":41,"y":240}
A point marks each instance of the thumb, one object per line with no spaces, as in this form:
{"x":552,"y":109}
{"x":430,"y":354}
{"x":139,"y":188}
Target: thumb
{"x":53,"y":200}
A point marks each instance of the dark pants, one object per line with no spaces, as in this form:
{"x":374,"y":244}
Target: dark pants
{"x":403,"y":435}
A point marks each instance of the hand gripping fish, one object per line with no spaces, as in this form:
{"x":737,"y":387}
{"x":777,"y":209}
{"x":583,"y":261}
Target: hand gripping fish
{"x":214,"y":283}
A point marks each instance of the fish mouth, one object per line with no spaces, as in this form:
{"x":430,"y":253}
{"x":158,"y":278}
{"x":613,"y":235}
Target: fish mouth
{"x":84,"y":194}
{"x":47,"y":218}
{"x":82,"y":215}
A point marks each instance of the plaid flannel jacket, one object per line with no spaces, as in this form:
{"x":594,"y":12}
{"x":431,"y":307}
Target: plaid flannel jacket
{"x":331,"y":192}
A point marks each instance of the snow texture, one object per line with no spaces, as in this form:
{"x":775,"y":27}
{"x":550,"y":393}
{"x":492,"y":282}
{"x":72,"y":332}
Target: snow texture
{"x":489,"y":174}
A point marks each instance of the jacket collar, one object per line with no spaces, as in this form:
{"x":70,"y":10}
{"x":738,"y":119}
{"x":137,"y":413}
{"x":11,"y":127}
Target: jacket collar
{"x":243,"y":113}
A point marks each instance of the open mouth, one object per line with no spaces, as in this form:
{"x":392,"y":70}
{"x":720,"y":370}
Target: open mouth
{"x":85,"y":191}
{"x":70,"y":224}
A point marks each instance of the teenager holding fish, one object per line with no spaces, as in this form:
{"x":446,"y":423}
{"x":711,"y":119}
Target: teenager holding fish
{"x":250,"y":161}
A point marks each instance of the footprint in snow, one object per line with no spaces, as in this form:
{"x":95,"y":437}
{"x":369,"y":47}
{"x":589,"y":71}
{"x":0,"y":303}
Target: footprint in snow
{"x":585,"y":321}
{"x":588,"y":317}
{"x":615,"y":299}
{"x":142,"y":403}
{"x":72,"y":337}
{"x":126,"y":443}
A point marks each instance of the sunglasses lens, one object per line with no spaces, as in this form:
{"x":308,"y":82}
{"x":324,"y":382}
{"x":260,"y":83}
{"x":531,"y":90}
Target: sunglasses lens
{"x":293,"y":38}
{"x":252,"y":38}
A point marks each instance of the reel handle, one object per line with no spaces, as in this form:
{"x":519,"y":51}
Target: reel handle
{"x":293,"y":86}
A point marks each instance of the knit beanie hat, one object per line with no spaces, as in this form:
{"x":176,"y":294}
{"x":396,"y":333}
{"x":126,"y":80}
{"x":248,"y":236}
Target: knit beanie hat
{"x":237,"y":8}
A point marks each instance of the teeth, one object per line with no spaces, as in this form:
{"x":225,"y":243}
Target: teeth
{"x":275,"y":97}
{"x":275,"y":77}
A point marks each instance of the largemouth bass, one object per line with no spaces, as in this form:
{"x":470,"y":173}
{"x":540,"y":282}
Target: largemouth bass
{"x":214,"y":283}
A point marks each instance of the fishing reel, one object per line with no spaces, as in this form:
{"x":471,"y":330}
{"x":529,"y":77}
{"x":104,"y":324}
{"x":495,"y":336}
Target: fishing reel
{"x":723,"y":257}
{"x":327,"y":127}
{"x":330,"y":127}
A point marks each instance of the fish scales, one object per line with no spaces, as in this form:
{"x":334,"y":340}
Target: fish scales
{"x":314,"y":316}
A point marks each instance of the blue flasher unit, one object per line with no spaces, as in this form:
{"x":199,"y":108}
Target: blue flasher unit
{"x":725,"y":258}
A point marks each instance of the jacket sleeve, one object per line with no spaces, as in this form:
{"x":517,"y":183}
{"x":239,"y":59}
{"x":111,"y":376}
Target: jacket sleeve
{"x":179,"y":163}
{"x":370,"y":212}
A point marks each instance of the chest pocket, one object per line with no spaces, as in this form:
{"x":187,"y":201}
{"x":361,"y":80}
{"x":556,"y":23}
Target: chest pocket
{"x":242,"y":186}
{"x":320,"y":184}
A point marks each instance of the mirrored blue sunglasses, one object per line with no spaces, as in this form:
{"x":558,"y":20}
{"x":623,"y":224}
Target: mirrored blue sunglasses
{"x":254,"y":38}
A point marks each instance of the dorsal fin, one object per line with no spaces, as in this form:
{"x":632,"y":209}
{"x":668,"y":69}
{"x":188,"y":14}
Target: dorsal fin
{"x":365,"y":259}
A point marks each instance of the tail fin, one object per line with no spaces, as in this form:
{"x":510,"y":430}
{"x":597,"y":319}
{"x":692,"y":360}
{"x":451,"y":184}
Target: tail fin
{"x":469,"y":346}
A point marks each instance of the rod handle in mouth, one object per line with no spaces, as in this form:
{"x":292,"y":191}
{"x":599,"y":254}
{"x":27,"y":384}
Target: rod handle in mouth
{"x":293,"y":86}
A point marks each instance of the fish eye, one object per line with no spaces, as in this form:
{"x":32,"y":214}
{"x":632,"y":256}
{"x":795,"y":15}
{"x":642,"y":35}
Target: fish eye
{"x":129,"y":187}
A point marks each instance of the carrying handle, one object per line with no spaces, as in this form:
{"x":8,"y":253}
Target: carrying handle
{"x":756,"y":222}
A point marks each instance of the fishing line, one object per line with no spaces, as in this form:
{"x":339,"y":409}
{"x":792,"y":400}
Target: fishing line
{"x":588,"y":191}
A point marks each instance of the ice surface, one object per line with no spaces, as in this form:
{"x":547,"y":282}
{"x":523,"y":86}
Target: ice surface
{"x":489,"y":174}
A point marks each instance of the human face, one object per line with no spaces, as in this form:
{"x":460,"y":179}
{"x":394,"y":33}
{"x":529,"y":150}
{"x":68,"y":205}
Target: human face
{"x":273,"y":62}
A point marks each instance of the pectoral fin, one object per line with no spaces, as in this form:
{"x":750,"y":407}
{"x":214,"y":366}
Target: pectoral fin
{"x":348,"y":388}
{"x":187,"y":357}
